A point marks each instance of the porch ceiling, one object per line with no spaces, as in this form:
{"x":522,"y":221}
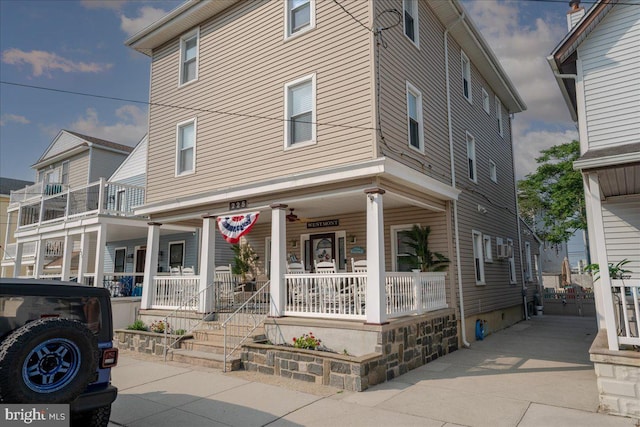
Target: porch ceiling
{"x":620,"y":181}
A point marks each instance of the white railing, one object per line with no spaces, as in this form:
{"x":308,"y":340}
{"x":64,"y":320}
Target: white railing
{"x":28,"y":251}
{"x":170,"y":292}
{"x":626,"y":298}
{"x":29,"y":192}
{"x":415,"y":293}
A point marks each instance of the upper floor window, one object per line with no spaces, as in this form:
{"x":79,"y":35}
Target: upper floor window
{"x":414,"y":118}
{"x":499,"y":115}
{"x":471,"y":157}
{"x":493,"y":171}
{"x":478,"y":257}
{"x":466,"y":76}
{"x":299,"y":16}
{"x":488,"y":253}
{"x":300,"y":114}
{"x":64,"y":176}
{"x":186,"y":147}
{"x":411,"y":28}
{"x":485,"y":101}
{"x":189,"y":57}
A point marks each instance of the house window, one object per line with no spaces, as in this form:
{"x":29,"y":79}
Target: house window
{"x":512,"y":264}
{"x":471,"y":157}
{"x":186,"y":148}
{"x":119,"y":260}
{"x":189,"y":57}
{"x":528,"y":268}
{"x":176,"y":254}
{"x":400,"y":250}
{"x":64,"y":178}
{"x":411,"y":28}
{"x":488,"y":254}
{"x":299,"y":16}
{"x":466,"y":76}
{"x":499,"y":115}
{"x":485,"y":101}
{"x":414,"y":118}
{"x":300,"y":114}
{"x":493,"y":171}
{"x":478,"y":257}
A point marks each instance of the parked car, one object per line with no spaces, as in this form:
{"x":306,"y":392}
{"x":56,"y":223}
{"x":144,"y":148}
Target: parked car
{"x":56,"y":347}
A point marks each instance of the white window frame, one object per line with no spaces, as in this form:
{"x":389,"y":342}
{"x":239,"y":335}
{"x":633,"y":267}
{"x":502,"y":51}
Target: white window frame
{"x":64,"y":172}
{"x":412,"y":7}
{"x":486,"y":245}
{"x":184,"y":247}
{"x":394,"y":230}
{"x":465,"y":64}
{"x":485,"y":102}
{"x":287,"y":114}
{"x":183,"y":42}
{"x":288,"y":34}
{"x":493,"y":171}
{"x":478,"y":270}
{"x":528,"y":274}
{"x":499,"y":116}
{"x":472,"y":168}
{"x":411,"y":89}
{"x":180,"y":125}
{"x":512,"y":264}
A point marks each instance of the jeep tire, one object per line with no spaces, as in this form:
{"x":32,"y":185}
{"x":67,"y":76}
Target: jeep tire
{"x":98,"y":417}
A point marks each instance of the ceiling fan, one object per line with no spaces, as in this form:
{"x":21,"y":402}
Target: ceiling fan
{"x":291,"y":217}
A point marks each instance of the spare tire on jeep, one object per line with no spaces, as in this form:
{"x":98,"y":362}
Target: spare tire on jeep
{"x":49,"y":360}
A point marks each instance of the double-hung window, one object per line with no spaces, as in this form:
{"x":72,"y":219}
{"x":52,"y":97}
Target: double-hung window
{"x":176,"y":254}
{"x":300,"y":114}
{"x":401,"y":250}
{"x":466,"y":76}
{"x":493,"y":171}
{"x":488,"y":253}
{"x":189,"y":57}
{"x":299,"y":16}
{"x":186,"y":147}
{"x":414,"y":118}
{"x":512,"y":263}
{"x":478,"y":258}
{"x":485,"y":101}
{"x":120,"y":256}
{"x":471,"y":157}
{"x":528,"y":273}
{"x":411,"y":27}
{"x":499,"y":116}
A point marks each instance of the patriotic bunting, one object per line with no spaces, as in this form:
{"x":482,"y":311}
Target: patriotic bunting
{"x":236,"y":226}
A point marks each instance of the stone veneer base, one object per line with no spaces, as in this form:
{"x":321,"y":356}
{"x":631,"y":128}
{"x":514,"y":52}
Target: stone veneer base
{"x":142,"y":341}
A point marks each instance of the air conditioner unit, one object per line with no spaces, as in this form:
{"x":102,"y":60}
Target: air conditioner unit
{"x":505,"y":251}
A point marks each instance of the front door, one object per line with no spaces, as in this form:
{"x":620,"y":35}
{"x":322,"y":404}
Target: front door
{"x":141,"y":255}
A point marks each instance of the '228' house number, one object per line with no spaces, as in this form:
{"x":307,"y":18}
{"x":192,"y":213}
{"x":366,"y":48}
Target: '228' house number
{"x":240,"y":204}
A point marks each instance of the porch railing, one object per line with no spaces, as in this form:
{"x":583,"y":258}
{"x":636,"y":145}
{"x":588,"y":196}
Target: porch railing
{"x":626,"y":298}
{"x":171,"y":292}
{"x":28,"y":251}
{"x":415,"y":293}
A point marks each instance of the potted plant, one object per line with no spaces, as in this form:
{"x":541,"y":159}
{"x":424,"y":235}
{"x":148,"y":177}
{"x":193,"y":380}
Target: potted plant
{"x":422,"y":258}
{"x":244,"y":262}
{"x":616,"y":271}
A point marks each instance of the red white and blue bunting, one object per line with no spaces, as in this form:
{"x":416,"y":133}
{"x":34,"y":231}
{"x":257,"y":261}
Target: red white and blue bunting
{"x":236,"y":226}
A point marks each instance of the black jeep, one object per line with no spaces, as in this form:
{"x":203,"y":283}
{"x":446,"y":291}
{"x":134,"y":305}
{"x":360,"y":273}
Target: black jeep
{"x":56,"y":347}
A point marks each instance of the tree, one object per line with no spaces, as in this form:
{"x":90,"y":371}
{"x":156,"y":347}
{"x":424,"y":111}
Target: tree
{"x":554,"y":193}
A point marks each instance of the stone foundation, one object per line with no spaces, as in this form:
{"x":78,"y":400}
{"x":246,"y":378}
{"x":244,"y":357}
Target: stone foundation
{"x":141,"y":341}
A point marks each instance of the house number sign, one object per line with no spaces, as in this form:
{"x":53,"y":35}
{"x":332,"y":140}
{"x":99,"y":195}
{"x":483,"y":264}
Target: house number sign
{"x":239,"y":204}
{"x":326,"y":223}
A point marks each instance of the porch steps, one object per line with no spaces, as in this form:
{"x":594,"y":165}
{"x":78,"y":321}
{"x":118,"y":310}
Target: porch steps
{"x":206,"y":359}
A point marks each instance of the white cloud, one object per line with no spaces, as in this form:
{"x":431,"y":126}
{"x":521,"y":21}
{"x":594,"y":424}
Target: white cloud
{"x":45,"y":62}
{"x":9,"y":118}
{"x":147,"y":16}
{"x":130,"y":128}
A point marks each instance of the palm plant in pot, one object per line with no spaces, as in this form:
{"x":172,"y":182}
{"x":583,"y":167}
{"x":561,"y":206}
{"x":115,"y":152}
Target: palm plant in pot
{"x":421,"y":257}
{"x":244,"y":262}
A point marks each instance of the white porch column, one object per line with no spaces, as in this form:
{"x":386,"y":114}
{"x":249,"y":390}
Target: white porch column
{"x":601,"y":258}
{"x":67,"y":254}
{"x":101,"y":239}
{"x":278,"y":258}
{"x":83,"y":260}
{"x":17,"y":262}
{"x":207,"y":264}
{"x":39,"y":261}
{"x":150,"y":264}
{"x":376,"y":290}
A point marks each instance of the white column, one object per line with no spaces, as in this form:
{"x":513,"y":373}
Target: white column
{"x":67,"y":254}
{"x":17,"y":262}
{"x":376,"y":289}
{"x":150,"y":264}
{"x":278,"y":258}
{"x":601,"y":258}
{"x":101,"y":238}
{"x":207,"y":264}
{"x":83,"y":260}
{"x":39,"y":261}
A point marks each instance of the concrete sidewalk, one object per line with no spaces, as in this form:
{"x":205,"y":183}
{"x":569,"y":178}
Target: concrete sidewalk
{"x":536,"y":373}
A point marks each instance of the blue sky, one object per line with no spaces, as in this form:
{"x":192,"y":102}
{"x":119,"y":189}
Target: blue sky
{"x":79,"y":46}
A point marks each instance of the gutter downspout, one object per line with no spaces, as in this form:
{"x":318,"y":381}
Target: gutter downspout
{"x":453,"y":181}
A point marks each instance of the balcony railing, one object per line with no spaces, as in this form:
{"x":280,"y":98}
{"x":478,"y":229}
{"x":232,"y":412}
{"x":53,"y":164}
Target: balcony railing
{"x":626,"y":299}
{"x":28,"y":251}
{"x":55,"y":203}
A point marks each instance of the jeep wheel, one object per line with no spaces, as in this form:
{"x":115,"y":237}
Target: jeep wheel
{"x":47,"y":361}
{"x":98,"y":417}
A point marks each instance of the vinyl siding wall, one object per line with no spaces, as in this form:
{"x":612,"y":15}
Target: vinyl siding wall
{"x":610,"y":59}
{"x":621,"y":221}
{"x":78,"y":169}
{"x":104,"y":163}
{"x":244,"y":64}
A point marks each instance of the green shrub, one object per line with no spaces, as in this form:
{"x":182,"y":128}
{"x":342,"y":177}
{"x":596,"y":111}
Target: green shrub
{"x":138,"y":325}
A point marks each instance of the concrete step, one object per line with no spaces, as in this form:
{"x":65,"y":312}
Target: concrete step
{"x":205,"y":359}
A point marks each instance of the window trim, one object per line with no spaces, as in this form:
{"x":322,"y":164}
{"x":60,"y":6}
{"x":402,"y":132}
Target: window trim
{"x":466,"y":75}
{"x":287,"y":116}
{"x":394,"y":230}
{"x":472,"y":159}
{"x":182,"y":124}
{"x":498,"y":104}
{"x":513,"y":280}
{"x":486,"y":104}
{"x":184,"y":247}
{"x":411,"y":89}
{"x":124,"y":259}
{"x":488,"y":252}
{"x":528,"y":273}
{"x":493,"y":171}
{"x":183,"y":40}
{"x":478,"y":244}
{"x":416,"y":21}
{"x":288,"y":35}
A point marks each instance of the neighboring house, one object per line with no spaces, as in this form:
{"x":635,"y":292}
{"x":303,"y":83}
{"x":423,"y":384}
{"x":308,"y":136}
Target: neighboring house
{"x":340,"y":142}
{"x":597,"y":66}
{"x":8,"y":227}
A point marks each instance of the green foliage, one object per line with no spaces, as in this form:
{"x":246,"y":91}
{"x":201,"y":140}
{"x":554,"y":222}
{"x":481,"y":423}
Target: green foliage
{"x":615,"y":270}
{"x":138,"y":325}
{"x":160,"y":327}
{"x":307,"y":341}
{"x":244,"y":261}
{"x":421,"y":257}
{"x":555,"y":192}
{"x":179,"y":332}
